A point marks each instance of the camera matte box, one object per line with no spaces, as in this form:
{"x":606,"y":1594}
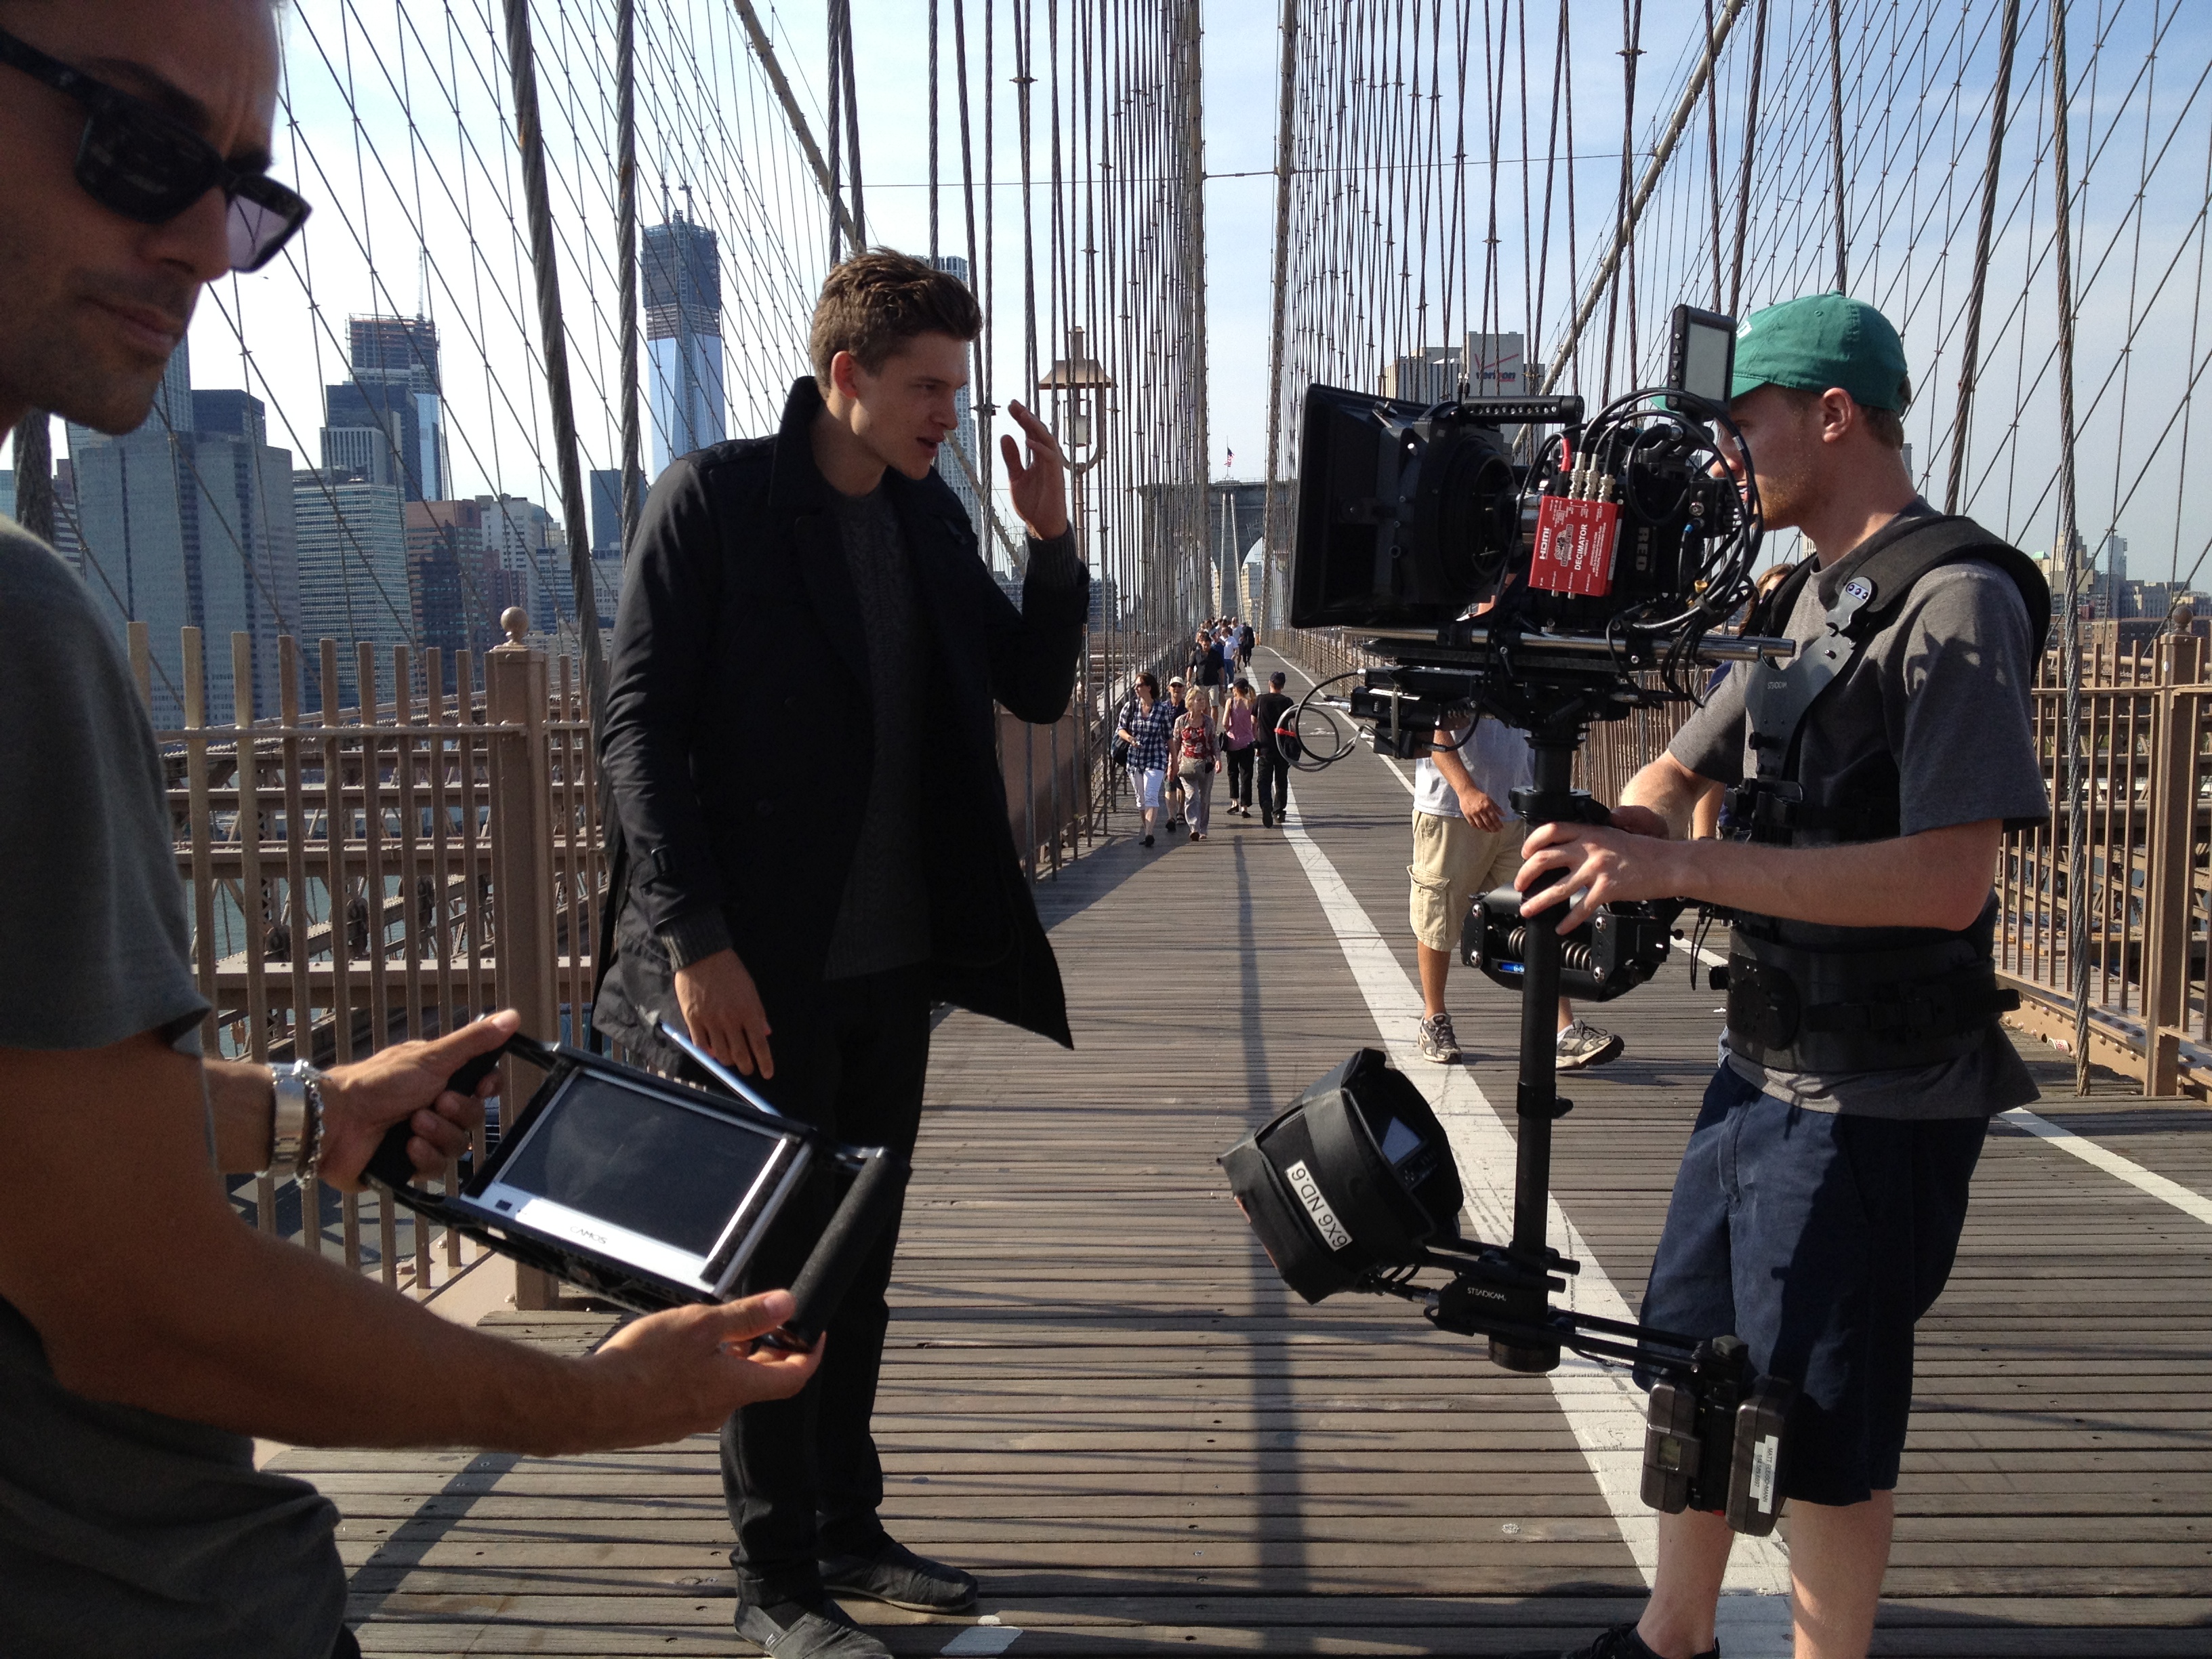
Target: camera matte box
{"x":1354,"y":1175}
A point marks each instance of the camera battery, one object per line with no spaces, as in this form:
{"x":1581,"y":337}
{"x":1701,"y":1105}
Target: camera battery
{"x":1671,"y":1448}
{"x":1574,"y":549}
{"x":1754,"y":1496}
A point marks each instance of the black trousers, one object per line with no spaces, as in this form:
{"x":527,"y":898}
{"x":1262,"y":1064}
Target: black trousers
{"x":802,"y":1476}
{"x":1240,"y":774}
{"x":1275,"y":783}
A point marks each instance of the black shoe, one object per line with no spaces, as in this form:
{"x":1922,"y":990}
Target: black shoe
{"x":1147,"y":842}
{"x":1622,"y":1642}
{"x":895,"y":1575}
{"x":805,"y":1630}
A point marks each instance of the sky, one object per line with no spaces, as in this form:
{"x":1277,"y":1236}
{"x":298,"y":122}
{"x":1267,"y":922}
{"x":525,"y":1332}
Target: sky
{"x":426,"y":171}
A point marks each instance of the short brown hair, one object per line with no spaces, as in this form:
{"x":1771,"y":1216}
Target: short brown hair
{"x":1887,"y":425}
{"x":876,"y":301}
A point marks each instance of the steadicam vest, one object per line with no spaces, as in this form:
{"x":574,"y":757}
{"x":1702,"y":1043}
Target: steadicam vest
{"x":1908,"y":997}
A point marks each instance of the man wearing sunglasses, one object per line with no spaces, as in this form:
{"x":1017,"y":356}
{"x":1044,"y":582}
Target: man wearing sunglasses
{"x":143,"y":1332}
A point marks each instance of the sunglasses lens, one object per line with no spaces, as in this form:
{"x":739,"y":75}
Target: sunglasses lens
{"x":137,"y":163}
{"x":263,"y":217}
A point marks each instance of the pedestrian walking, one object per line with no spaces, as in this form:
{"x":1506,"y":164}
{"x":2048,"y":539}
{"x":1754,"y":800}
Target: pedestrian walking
{"x":1178,"y":695}
{"x":1197,"y":750}
{"x":1274,"y":715}
{"x":1148,"y":721}
{"x":1240,"y":736}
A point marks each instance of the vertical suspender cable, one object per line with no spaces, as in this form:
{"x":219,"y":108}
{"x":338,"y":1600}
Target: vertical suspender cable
{"x":618,"y":851}
{"x":764,"y":51}
{"x":1194,"y":230}
{"x":1970,"y":348}
{"x":933,"y":131}
{"x":1624,"y":218}
{"x":1750,"y":142}
{"x":522,"y":66}
{"x":1276,"y":521}
{"x":833,"y":118}
{"x":2069,"y":544}
{"x":1601,"y":283}
{"x":625,"y":237}
{"x":852,"y":128}
{"x":1713,"y":158}
{"x":1836,"y":132}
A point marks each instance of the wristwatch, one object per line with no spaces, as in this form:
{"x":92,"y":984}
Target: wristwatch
{"x":295,"y":1136}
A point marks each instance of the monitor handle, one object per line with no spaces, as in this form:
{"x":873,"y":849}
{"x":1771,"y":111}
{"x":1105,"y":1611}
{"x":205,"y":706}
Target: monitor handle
{"x":390,"y":1164}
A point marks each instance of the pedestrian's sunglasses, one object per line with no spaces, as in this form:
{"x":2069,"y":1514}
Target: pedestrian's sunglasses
{"x":135,"y":161}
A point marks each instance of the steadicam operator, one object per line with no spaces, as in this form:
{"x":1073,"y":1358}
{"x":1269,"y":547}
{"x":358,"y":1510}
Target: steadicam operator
{"x":1820,"y":1200}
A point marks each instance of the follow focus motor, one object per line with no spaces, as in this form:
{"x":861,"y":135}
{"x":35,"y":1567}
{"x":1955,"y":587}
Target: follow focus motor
{"x":1612,"y":549}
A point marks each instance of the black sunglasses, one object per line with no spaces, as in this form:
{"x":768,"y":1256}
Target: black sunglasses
{"x":138,"y":163}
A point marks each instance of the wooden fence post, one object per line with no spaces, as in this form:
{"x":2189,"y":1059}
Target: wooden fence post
{"x":516,"y":693}
{"x":2171,"y":887}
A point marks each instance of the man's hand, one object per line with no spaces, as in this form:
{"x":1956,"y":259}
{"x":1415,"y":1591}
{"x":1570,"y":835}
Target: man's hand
{"x":1603,"y":864}
{"x":408,"y":1082}
{"x":1479,"y":809}
{"x":1040,"y":493}
{"x":684,"y":1370}
{"x":721,"y":1009}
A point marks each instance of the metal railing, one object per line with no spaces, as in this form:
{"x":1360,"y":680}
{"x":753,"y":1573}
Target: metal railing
{"x":362,"y":875}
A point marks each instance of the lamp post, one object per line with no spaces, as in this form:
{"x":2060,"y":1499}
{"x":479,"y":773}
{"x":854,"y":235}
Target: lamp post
{"x":1074,"y":380}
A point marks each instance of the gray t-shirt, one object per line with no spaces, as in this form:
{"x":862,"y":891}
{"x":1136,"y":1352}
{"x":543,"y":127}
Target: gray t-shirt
{"x":121,"y":1531}
{"x":882,"y":919}
{"x":1943,"y":689}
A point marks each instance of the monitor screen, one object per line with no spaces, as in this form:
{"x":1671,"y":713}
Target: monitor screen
{"x":641,"y":1161}
{"x":1708,"y":360}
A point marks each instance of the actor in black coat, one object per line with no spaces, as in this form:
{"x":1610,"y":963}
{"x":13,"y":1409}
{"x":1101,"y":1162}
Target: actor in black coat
{"x":737,"y":741}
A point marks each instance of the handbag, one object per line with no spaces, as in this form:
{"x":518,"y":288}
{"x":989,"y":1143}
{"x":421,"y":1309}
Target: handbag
{"x":1197,"y":753}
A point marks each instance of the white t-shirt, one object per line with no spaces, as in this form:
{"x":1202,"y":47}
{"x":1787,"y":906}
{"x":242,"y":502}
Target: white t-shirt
{"x":1495,"y":757}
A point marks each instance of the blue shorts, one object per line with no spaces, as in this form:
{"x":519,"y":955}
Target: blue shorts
{"x":1820,"y":1239}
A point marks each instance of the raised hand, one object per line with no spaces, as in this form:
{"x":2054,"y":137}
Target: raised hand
{"x":1040,"y":492}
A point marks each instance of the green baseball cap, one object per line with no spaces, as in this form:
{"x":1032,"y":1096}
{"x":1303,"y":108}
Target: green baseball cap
{"x":1820,"y":341}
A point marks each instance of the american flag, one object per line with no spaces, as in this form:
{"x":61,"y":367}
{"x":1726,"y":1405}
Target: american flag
{"x":1229,"y":465}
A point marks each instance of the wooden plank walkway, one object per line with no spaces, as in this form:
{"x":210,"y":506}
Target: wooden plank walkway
{"x":1098,"y":1396}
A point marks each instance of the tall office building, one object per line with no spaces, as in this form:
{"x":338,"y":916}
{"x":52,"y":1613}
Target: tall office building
{"x":352,"y":536}
{"x":606,"y":511}
{"x":682,"y":339}
{"x":387,"y":420}
{"x":186,"y":521}
{"x":963,"y":435}
{"x":454,"y":585}
{"x":530,"y":546}
{"x":1496,"y":368}
{"x":1429,"y":375}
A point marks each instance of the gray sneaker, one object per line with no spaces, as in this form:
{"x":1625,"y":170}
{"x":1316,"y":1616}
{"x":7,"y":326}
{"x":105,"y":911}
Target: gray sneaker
{"x":1584,"y":1044}
{"x":1438,"y":1042}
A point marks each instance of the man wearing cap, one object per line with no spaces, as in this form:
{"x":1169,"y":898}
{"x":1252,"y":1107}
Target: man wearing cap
{"x":1820,"y":1199}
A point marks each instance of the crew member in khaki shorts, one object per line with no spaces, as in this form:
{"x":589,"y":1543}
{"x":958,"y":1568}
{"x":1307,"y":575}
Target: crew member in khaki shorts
{"x":1464,"y":845}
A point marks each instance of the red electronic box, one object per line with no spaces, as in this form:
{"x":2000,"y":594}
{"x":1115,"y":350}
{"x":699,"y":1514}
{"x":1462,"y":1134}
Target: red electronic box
{"x":1575,"y":542}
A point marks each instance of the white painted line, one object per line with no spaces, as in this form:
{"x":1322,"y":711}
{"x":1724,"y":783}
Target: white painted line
{"x":1603,"y":1405}
{"x":2189,"y":1202}
{"x":986,"y":1637}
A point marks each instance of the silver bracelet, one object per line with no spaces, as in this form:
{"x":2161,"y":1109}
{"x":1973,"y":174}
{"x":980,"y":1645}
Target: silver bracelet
{"x":295,"y":1136}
